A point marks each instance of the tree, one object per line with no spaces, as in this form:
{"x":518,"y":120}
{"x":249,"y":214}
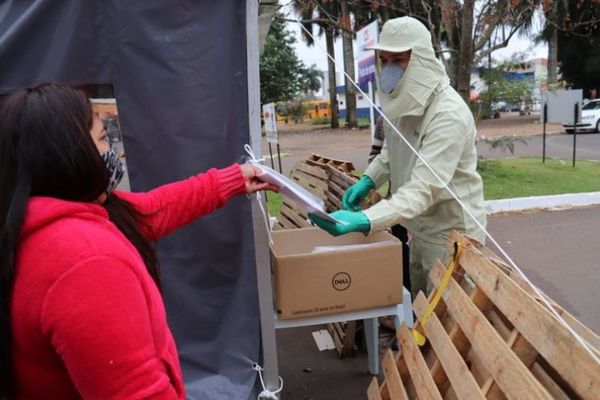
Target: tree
{"x":500,"y":89}
{"x":282,"y":74}
{"x":350,"y":90}
{"x":314,"y":14}
{"x":463,"y":32}
{"x":577,"y":36}
{"x":311,"y":79}
{"x":333,"y":17}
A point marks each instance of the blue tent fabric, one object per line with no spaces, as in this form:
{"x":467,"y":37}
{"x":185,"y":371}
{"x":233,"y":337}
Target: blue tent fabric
{"x":178,"y":69}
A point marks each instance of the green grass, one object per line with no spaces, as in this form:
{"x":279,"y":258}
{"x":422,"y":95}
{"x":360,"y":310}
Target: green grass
{"x":274,"y":201}
{"x":520,"y":177}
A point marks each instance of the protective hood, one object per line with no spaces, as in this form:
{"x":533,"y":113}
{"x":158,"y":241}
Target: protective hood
{"x":424,"y":74}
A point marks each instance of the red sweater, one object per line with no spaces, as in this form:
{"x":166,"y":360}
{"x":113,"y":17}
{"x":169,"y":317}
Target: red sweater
{"x":87,"y":319}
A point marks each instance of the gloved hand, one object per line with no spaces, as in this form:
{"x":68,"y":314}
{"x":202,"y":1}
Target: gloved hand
{"x":357,"y":192}
{"x":354,"y":222}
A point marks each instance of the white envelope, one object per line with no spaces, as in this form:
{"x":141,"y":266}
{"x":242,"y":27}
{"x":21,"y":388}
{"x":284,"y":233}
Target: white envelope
{"x":302,"y":197}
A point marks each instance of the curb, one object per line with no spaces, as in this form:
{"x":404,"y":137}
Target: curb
{"x":560,"y":201}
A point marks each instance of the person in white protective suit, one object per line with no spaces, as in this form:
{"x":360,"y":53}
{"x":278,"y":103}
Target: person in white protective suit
{"x":417,"y":98}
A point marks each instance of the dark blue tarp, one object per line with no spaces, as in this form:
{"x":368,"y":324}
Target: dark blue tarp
{"x":178,"y":69}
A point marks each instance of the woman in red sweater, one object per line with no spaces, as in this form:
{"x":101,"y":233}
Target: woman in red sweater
{"x":81,"y":313}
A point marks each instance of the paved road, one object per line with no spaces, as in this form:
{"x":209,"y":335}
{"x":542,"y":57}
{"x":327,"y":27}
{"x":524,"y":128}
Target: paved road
{"x":559,"y":252}
{"x":557,"y":146}
{"x":354,"y":146}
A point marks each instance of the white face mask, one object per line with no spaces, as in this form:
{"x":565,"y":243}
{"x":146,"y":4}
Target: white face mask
{"x":390,"y":76}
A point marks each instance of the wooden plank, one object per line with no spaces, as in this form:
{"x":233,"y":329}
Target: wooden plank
{"x":373,"y":390}
{"x":329,"y":206}
{"x":587,"y":334}
{"x":550,"y":338}
{"x":342,"y":165}
{"x":317,"y":191}
{"x":499,"y":324}
{"x":461,"y":379}
{"x":334,"y":200}
{"x":342,"y":181}
{"x":341,"y":177}
{"x":411,"y":391}
{"x":285,"y":222}
{"x":522,"y":349}
{"x":337,"y":340}
{"x":349,"y":337}
{"x":317,"y":172}
{"x":308,"y":178}
{"x":385,"y":394}
{"x":308,"y":181}
{"x":555,"y":390}
{"x":335,"y":189}
{"x":393,"y":382}
{"x":294,"y":216}
{"x":419,"y":373}
{"x":459,"y":340}
{"x":292,"y":204}
{"x":515,"y":380}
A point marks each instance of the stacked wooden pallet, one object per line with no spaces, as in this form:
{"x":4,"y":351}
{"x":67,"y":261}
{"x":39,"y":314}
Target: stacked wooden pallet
{"x":314,"y":179}
{"x":320,"y":161}
{"x":326,"y":178}
{"x":489,"y":337}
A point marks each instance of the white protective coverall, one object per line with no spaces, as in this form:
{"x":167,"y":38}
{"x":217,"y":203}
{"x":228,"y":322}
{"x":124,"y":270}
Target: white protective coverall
{"x":433,"y":117}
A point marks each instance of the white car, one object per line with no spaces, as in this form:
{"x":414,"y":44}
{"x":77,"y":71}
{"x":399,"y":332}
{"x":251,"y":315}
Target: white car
{"x":590,"y":118}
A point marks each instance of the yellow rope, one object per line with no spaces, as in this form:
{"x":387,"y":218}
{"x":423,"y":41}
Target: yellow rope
{"x":418,"y":336}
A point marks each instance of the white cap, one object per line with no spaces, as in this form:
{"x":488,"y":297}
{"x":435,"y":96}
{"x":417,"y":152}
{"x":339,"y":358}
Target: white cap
{"x":402,"y":34}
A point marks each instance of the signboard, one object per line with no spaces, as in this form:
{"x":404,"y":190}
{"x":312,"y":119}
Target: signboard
{"x":561,"y":106}
{"x":270,"y":120}
{"x":366,"y":37}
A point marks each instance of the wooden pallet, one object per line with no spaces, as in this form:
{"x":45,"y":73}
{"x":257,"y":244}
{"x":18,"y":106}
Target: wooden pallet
{"x":313,"y":179}
{"x":489,"y":337}
{"x":320,"y":161}
{"x":344,"y":336}
{"x":339,"y":182}
{"x":291,"y":217}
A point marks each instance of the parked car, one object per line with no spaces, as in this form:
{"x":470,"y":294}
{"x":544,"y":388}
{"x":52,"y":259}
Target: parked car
{"x":590,"y":118}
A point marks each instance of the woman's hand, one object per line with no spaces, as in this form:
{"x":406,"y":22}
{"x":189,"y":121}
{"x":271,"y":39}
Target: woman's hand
{"x":253,"y":183}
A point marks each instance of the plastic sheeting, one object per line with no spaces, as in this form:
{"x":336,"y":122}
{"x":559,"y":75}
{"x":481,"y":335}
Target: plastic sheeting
{"x":178,"y":69}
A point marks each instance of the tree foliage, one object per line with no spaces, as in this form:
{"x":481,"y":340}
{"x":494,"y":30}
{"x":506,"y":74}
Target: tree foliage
{"x":579,"y":47}
{"x":282,"y":75}
{"x":500,"y":89}
{"x":311,"y":79}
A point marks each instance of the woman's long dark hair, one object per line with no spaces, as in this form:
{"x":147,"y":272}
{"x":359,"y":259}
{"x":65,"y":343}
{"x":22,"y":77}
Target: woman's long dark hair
{"x":46,"y":150}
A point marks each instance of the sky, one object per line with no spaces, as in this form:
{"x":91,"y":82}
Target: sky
{"x":318,"y":56}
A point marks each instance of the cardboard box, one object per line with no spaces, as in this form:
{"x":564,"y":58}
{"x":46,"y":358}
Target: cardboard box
{"x":348,"y":278}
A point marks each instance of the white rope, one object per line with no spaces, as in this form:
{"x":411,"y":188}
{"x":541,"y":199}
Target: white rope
{"x":465,"y":208}
{"x":266,"y":393}
{"x":265,"y":215}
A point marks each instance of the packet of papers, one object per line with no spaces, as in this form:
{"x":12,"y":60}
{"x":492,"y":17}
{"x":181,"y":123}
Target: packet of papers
{"x":302,"y":197}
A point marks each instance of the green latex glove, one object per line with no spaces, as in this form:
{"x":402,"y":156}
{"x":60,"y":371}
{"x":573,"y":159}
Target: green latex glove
{"x":357,"y":192}
{"x":354,"y":222}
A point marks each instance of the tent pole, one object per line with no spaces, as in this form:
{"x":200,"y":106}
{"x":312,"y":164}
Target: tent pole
{"x":261,"y":241}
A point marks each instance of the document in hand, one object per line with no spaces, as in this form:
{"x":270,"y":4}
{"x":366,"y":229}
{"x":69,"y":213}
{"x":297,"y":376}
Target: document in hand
{"x":296,"y":193}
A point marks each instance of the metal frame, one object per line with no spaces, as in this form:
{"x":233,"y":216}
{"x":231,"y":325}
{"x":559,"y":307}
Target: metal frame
{"x":261,"y":240}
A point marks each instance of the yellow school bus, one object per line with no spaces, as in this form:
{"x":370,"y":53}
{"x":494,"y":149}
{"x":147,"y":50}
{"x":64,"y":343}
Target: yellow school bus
{"x":313,"y":109}
{"x":317,"y":109}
